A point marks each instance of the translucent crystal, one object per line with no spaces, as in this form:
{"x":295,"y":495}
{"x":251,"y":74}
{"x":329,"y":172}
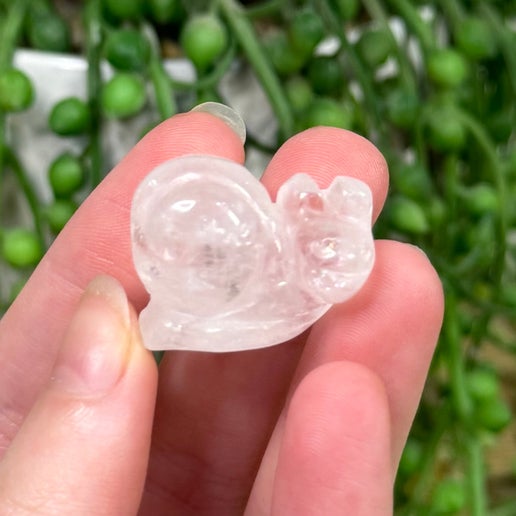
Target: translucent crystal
{"x":227,"y":269}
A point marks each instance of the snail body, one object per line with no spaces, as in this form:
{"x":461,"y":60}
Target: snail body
{"x":227,"y":269}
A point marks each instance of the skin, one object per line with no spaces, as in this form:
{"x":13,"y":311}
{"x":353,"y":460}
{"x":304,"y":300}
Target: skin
{"x":313,"y":426}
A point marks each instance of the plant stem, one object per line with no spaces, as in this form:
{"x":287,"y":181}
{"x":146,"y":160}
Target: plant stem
{"x":3,"y":145}
{"x":163,"y":92}
{"x":476,"y":476}
{"x":10,"y":32}
{"x":158,"y":356}
{"x":426,"y":469}
{"x":498,"y":264}
{"x":264,"y":9}
{"x":94,"y":82}
{"x":453,"y":12}
{"x":28,"y":191}
{"x":210,"y":80}
{"x":11,"y":29}
{"x":450,"y":169}
{"x":484,"y":141}
{"x":505,"y":39}
{"x":361,"y":72}
{"x":161,"y":82}
{"x":376,"y":10}
{"x":452,"y":338}
{"x":413,"y":19}
{"x":464,"y":407}
{"x":246,"y":36}
{"x":262,"y":147}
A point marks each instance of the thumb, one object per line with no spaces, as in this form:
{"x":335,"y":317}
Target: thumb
{"x":83,"y":448}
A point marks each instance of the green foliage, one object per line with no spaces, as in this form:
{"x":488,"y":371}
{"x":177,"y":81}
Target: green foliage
{"x":123,"y":96}
{"x":204,"y":38}
{"x":21,"y":247}
{"x":127,"y":49}
{"x":16,"y":91}
{"x":442,"y":115}
{"x":65,"y":175}
{"x":70,"y":117}
{"x":59,"y":213}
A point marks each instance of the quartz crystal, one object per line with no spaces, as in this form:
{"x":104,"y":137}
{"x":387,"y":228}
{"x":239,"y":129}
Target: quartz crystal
{"x":227,"y":269}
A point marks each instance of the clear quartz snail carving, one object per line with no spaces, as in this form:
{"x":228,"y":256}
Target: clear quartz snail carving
{"x":227,"y":269}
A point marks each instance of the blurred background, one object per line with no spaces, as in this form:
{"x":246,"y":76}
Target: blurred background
{"x":431,"y":83}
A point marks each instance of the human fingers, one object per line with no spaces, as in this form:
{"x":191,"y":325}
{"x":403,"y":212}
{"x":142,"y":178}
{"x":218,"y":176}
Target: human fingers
{"x":327,"y":152}
{"x":83,"y":448}
{"x":404,"y":298}
{"x":390,"y":327}
{"x":334,"y":454}
{"x":96,"y":240}
{"x":215,"y":413}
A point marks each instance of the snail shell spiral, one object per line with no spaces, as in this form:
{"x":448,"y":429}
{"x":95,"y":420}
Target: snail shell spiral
{"x":226,"y":268}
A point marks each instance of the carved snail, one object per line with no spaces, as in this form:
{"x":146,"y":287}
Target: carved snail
{"x":228,"y":270}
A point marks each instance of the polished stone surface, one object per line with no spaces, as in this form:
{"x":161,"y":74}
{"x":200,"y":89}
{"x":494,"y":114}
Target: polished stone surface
{"x":228,"y":270}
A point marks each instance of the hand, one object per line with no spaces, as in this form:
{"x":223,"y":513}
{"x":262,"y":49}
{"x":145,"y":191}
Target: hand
{"x":312,"y":426}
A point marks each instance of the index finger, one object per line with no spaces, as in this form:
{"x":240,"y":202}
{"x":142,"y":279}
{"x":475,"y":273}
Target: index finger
{"x":96,"y":240}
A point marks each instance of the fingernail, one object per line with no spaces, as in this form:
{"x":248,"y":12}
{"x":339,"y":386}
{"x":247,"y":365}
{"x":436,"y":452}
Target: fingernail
{"x":95,"y":348}
{"x":228,"y":115}
{"x":418,"y":249}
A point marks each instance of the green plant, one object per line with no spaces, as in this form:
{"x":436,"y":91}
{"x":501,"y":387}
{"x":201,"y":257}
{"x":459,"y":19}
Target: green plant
{"x":443,"y":119}
{"x":123,"y":95}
